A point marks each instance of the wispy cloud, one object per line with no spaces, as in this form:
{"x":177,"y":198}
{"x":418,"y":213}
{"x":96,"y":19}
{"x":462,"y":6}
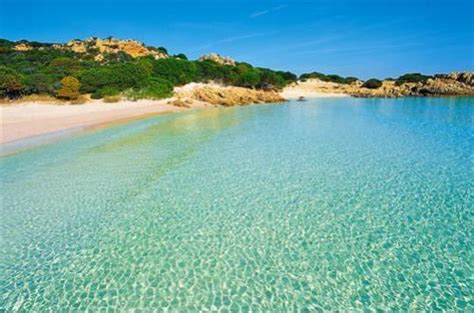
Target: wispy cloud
{"x":265,"y":12}
{"x":232,"y":39}
{"x":242,"y":37}
{"x":359,"y":50}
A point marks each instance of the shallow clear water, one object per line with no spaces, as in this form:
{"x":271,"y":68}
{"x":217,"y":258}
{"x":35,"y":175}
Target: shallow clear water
{"x":326,"y":204}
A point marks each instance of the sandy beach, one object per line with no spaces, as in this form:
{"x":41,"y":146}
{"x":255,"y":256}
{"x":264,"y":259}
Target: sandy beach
{"x":28,"y":119}
{"x":21,"y":121}
{"x":312,"y":88}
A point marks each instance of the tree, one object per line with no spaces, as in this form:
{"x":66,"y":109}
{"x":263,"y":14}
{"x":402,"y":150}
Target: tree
{"x":94,"y":79}
{"x":39,"y":83}
{"x":162,"y":50}
{"x":119,"y":76}
{"x":11,"y":85}
{"x":69,"y":88}
{"x":181,"y":56}
{"x":177,"y":71}
{"x":249,"y":79}
{"x":412,"y":78}
{"x":372,"y":84}
{"x":329,"y":78}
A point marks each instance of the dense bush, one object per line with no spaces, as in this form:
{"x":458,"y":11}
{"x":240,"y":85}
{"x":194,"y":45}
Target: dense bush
{"x":372,"y":83}
{"x":287,"y":76}
{"x":412,"y":78}
{"x":181,"y":56}
{"x":177,"y":71}
{"x":249,"y":79}
{"x":94,"y":79}
{"x":69,"y":88}
{"x":107,"y":91}
{"x":209,"y":70}
{"x":118,"y":76}
{"x":329,"y":78}
{"x":11,"y":83}
{"x":156,"y":88}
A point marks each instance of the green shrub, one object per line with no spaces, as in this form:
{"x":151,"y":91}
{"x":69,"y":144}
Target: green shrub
{"x":329,"y":78}
{"x":249,"y":79}
{"x":177,"y":71}
{"x":209,"y":70}
{"x":65,"y":65}
{"x":351,"y":79}
{"x":162,"y":50}
{"x":288,"y":76}
{"x":181,"y":56}
{"x":155,"y":88}
{"x":372,"y":84}
{"x":269,"y":78}
{"x":117,"y":76}
{"x":107,"y":91}
{"x":11,"y":84}
{"x":146,"y":63}
{"x":412,"y":78}
{"x":94,"y":79}
{"x":39,"y":83}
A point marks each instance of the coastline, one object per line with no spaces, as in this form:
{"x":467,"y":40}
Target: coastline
{"x":23,"y":121}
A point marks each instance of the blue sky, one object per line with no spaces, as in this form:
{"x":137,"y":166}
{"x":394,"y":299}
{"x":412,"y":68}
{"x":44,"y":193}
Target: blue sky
{"x":364,"y":38}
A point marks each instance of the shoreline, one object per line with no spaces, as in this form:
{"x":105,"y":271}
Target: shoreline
{"x":24,"y":121}
{"x":26,"y":124}
{"x":20,"y":122}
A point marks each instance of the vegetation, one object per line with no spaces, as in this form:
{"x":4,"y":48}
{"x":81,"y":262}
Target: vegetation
{"x":65,"y":74}
{"x":36,"y":68}
{"x":372,"y":83}
{"x":112,"y":99}
{"x":69,"y":88}
{"x":11,"y":85}
{"x":412,"y":78}
{"x":156,"y":88}
{"x":329,"y":78}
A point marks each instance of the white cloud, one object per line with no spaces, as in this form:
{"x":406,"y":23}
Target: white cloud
{"x":264,"y":12}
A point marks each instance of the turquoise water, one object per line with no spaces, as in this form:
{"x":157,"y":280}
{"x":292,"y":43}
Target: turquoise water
{"x":328,"y":204}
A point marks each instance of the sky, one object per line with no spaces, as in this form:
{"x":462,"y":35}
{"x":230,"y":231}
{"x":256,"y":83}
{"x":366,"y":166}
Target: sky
{"x":363,"y":38}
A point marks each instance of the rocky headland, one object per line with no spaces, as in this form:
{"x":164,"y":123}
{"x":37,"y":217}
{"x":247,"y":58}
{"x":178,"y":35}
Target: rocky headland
{"x":454,"y":84}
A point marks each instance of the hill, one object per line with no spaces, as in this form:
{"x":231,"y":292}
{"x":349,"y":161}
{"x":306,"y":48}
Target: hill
{"x":108,"y":67}
{"x":111,"y":67}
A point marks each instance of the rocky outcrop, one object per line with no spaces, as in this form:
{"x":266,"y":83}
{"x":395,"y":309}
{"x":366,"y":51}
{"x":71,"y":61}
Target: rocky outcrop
{"x":218,"y":59}
{"x":225,"y":95}
{"x":22,"y":47}
{"x":463,"y":77}
{"x":99,"y":47}
{"x":454,"y":84}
